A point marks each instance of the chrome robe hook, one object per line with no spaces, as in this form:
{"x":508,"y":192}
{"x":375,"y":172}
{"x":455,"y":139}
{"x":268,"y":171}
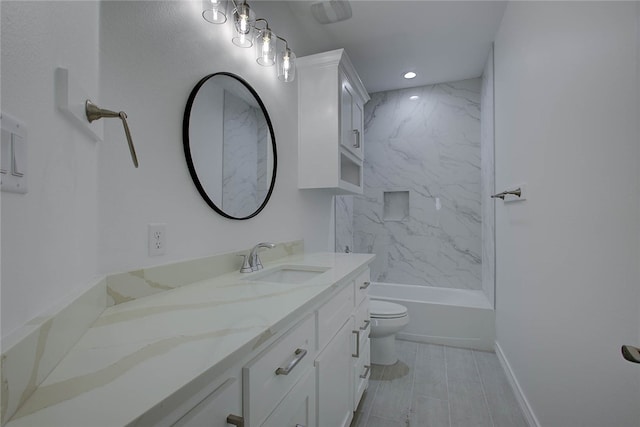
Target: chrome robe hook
{"x":94,"y":113}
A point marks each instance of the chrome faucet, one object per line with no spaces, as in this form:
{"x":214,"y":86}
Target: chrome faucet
{"x":253,"y":263}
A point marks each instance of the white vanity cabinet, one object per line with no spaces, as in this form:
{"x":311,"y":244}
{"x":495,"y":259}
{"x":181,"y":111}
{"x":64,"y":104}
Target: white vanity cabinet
{"x":361,"y":360}
{"x":311,"y":375}
{"x":343,"y":362}
{"x":331,"y":100}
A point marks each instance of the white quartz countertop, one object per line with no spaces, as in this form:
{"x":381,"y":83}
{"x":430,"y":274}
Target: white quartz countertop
{"x":137,"y":354}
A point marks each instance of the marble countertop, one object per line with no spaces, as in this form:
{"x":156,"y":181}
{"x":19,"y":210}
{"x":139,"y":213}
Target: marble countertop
{"x":137,"y":354}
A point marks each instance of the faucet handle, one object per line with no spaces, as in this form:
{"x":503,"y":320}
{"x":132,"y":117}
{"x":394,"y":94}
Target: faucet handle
{"x":246,"y":267}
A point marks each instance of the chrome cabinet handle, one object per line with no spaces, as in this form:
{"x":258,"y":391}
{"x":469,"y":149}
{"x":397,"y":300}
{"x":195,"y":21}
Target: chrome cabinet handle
{"x":357,"y":344}
{"x":235,"y":420}
{"x":300,"y":353}
{"x":367,"y":323}
{"x":356,"y":143}
{"x":631,"y":353}
{"x":365,"y":285}
{"x":367,"y":370}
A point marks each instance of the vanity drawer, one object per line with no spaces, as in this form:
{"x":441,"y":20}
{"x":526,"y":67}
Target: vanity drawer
{"x":361,"y":373}
{"x":272,"y":374}
{"x":362,"y":287}
{"x":363,"y":322}
{"x":333,"y":314}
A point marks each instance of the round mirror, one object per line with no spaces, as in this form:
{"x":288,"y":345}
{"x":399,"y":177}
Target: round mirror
{"x":229,"y":145}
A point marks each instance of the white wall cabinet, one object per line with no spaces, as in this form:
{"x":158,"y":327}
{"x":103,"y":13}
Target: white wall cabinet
{"x":312,"y":375}
{"x":331,"y":100}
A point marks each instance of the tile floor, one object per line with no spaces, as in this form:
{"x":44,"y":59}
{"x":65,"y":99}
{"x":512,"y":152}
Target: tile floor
{"x":438,"y":386}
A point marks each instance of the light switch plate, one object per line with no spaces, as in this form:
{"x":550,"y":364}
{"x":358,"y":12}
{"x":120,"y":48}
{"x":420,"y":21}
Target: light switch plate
{"x":14,"y":155}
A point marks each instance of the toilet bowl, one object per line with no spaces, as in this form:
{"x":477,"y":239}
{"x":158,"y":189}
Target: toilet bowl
{"x":387,"y":319}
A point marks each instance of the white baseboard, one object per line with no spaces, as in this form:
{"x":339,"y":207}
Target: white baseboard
{"x":517,"y":390}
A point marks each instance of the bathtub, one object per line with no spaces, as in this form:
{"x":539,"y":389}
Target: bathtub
{"x":455,"y":317}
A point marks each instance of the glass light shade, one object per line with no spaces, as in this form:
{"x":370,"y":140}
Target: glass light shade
{"x":266,"y":47}
{"x":244,"y":19}
{"x":214,"y":11}
{"x":286,"y":65}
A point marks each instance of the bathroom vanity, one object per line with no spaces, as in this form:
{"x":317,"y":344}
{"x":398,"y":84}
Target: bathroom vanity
{"x":287,"y":345}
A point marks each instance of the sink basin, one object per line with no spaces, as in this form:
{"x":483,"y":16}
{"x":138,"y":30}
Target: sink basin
{"x":292,"y":274}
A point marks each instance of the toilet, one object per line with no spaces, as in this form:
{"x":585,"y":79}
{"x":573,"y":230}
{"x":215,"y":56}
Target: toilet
{"x":387,"y":319}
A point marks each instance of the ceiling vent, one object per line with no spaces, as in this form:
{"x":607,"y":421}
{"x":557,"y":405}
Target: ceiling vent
{"x":330,"y":11}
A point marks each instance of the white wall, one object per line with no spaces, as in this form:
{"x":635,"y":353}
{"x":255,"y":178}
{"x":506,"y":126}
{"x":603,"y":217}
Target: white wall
{"x":567,"y":258}
{"x":87,"y":211}
{"x":48,"y":235}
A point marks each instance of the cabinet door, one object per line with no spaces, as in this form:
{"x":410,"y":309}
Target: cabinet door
{"x":213,"y":410}
{"x":351,"y":118}
{"x":299,"y":406}
{"x":334,"y":380}
{"x":357,"y":126}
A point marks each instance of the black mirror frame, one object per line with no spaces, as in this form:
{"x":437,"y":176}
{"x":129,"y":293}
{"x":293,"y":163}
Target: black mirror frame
{"x":187,"y":148}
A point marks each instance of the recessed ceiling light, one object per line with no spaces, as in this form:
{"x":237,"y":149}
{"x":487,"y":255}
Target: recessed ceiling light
{"x":414,"y":97}
{"x":409,"y":75}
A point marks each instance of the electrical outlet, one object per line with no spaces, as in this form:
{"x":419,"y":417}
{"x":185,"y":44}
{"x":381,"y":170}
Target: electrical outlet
{"x":157,"y":239}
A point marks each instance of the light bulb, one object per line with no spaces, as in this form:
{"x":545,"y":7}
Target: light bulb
{"x":265,"y":48}
{"x":214,"y":11}
{"x":286,"y":65}
{"x":244,"y":19}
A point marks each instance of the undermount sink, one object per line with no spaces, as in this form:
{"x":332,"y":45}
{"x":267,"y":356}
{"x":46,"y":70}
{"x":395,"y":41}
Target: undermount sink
{"x":292,"y":274}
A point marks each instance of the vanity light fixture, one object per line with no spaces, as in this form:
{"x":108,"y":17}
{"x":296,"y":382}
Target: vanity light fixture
{"x":265,"y":45}
{"x":409,"y":75}
{"x":414,"y":97}
{"x":246,"y":33}
{"x":286,"y":64}
{"x":244,"y":20}
{"x":214,"y":11}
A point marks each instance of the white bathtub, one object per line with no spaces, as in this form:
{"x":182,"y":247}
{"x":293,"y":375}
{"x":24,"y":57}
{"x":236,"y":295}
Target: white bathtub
{"x":455,"y":317}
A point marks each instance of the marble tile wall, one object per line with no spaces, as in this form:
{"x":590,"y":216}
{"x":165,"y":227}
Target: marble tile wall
{"x":488,"y":182}
{"x":429,"y":147}
{"x":344,"y":223}
{"x":244,"y":160}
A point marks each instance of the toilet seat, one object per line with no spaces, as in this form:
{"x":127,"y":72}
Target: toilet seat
{"x":386,"y":310}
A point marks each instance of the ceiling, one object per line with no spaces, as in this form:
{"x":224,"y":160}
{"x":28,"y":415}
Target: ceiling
{"x":440,"y":40}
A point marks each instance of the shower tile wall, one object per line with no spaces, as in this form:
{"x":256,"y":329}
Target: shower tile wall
{"x":243,"y":187}
{"x":344,"y":223}
{"x":429,"y":147}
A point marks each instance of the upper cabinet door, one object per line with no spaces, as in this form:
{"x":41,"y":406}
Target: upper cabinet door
{"x":350,"y":119}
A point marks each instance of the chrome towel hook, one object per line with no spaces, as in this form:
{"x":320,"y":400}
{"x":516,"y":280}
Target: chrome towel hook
{"x":94,"y":113}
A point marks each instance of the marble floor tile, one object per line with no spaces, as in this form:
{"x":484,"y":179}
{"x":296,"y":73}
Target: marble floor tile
{"x":429,"y":412}
{"x":461,"y":364}
{"x":437,"y":386}
{"x":503,"y":406}
{"x":430,"y":378}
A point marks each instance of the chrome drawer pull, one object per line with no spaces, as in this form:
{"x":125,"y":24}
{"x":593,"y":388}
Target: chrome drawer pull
{"x":367,"y":370}
{"x":356,"y":143}
{"x":357,"y":344}
{"x":235,"y":420}
{"x":365,"y":285}
{"x":299,"y":354}
{"x":367,"y":323}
